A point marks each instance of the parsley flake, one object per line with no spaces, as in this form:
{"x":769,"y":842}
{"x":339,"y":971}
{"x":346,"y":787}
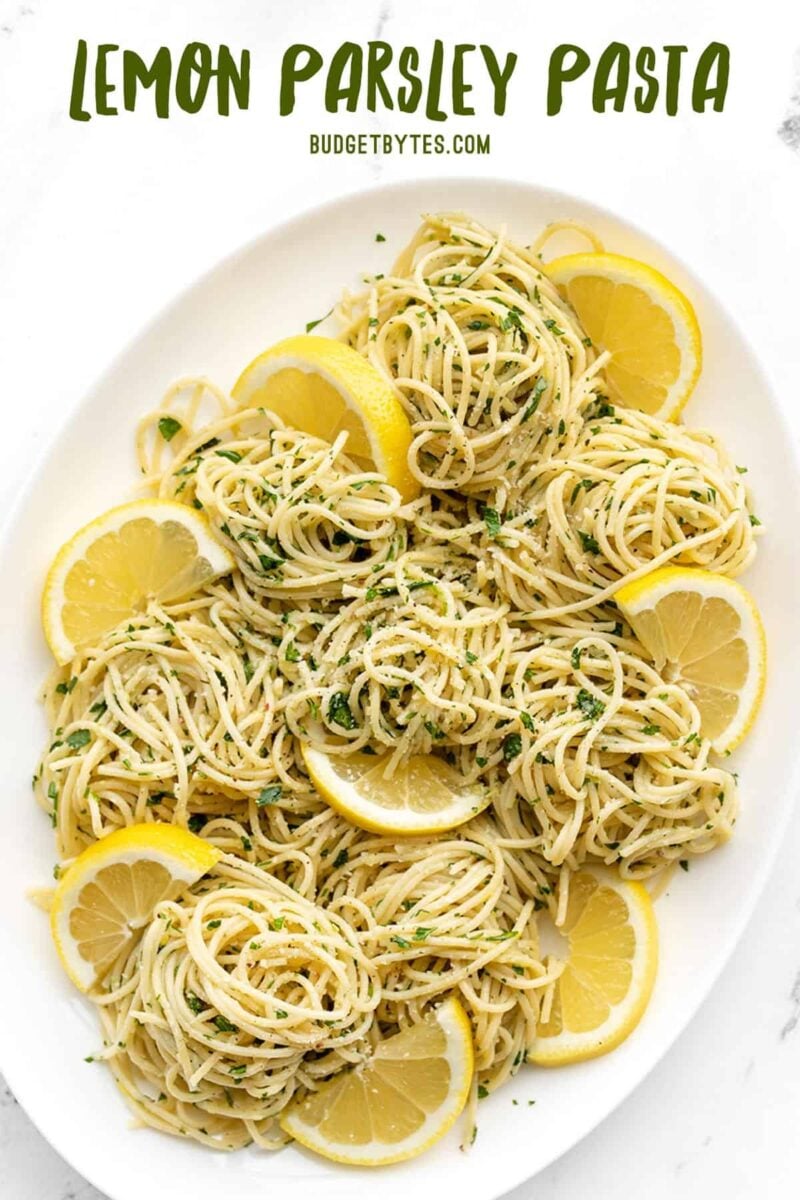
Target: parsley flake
{"x":589,"y":705}
{"x":168,"y":427}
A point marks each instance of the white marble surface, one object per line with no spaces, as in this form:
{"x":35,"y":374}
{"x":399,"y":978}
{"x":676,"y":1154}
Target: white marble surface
{"x":101,"y":223}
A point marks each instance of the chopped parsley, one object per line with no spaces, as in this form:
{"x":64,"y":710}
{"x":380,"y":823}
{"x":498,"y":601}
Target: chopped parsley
{"x":512,"y":746}
{"x":269,"y":795}
{"x":538,"y":389}
{"x":313,"y":324}
{"x":78,"y":739}
{"x":339,"y":711}
{"x":492,"y":522}
{"x":588,"y":542}
{"x":511,"y":320}
{"x":168,"y":427}
{"x":224,"y":1025}
{"x":582,"y":483}
{"x":589,"y":705}
{"x":341,"y":537}
{"x":269,"y":562}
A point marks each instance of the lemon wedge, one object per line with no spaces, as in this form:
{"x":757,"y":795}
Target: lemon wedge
{"x":609,"y":975}
{"x":704,"y":631}
{"x":106,"y":573}
{"x":648,"y":325}
{"x":112,"y":889}
{"x":423,"y":795}
{"x":323,"y":387}
{"x":397,"y":1103}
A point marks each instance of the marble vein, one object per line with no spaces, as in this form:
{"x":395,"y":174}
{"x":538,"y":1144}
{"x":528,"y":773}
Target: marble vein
{"x":789,"y":128}
{"x":794,"y":997}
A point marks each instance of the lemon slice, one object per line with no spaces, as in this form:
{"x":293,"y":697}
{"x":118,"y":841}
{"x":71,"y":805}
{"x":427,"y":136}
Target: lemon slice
{"x":106,"y":573}
{"x":111,"y":891}
{"x":608,"y":978}
{"x":424,"y":794}
{"x":397,"y":1103}
{"x":704,"y":632}
{"x":323,"y":387}
{"x":646,"y":323}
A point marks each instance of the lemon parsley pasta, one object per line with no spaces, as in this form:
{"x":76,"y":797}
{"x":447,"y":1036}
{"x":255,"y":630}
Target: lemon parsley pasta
{"x":476,"y":623}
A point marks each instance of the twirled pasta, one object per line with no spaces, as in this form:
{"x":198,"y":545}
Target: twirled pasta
{"x":485,"y":356}
{"x":235,"y":996}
